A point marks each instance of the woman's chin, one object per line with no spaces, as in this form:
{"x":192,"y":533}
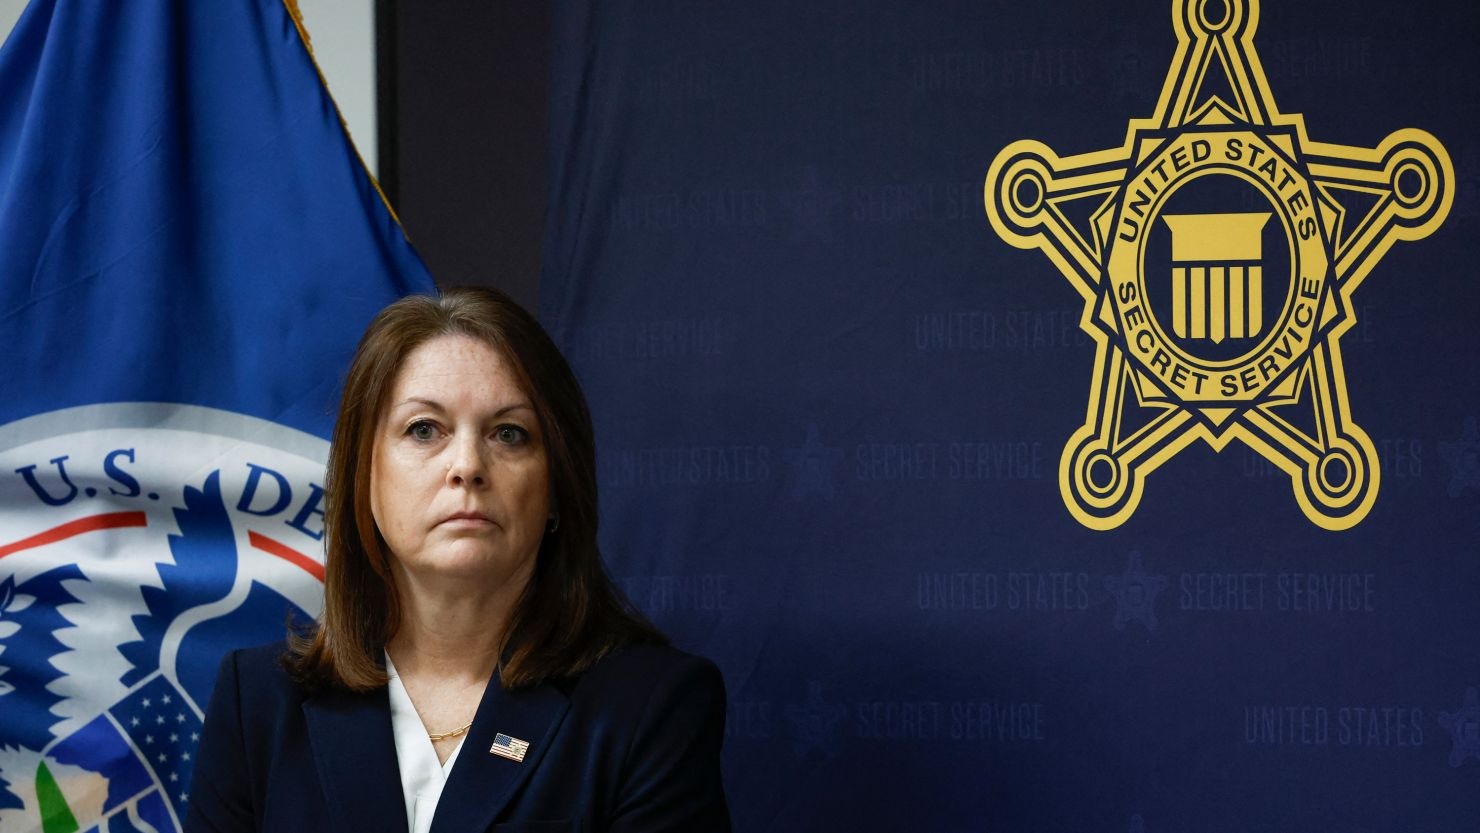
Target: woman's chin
{"x":471,"y":562}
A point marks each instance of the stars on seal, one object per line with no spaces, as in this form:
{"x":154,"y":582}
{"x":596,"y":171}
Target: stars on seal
{"x":1464,"y":727}
{"x":812,"y":464}
{"x":157,"y":720}
{"x":1463,"y":457}
{"x":815,"y":721}
{"x":1135,"y":594}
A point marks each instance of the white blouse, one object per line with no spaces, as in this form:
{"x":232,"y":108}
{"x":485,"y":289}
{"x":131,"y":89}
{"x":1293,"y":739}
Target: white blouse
{"x":422,"y":775}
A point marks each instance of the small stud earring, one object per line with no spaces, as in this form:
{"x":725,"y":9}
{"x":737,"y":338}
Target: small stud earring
{"x":553,"y":523}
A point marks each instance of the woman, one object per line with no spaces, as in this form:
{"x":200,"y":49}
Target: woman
{"x":473,"y":663}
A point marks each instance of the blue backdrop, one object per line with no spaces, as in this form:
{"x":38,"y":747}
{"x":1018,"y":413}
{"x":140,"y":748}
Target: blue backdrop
{"x":833,"y":395}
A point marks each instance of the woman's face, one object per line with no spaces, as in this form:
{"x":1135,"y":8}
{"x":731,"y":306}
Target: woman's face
{"x":459,"y":485}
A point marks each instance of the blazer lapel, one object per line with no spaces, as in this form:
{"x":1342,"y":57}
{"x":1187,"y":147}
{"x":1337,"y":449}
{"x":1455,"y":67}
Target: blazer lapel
{"x":355,"y":754}
{"x":482,"y":783}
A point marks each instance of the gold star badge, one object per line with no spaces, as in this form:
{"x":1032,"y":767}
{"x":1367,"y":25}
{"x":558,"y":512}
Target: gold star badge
{"x":1217,"y":251}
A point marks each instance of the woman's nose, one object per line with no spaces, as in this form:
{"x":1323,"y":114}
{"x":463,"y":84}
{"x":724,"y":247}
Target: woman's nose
{"x":467,"y":466}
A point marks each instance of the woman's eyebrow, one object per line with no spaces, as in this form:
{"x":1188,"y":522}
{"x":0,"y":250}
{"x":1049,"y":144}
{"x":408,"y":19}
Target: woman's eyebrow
{"x":435,"y":405}
{"x":416,"y":400}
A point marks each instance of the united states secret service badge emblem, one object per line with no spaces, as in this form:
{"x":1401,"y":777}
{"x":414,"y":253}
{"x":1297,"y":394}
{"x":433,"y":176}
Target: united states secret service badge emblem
{"x":1217,"y":251}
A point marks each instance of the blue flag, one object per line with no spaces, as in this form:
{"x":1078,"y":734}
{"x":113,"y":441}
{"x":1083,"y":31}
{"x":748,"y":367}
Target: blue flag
{"x":189,"y":250}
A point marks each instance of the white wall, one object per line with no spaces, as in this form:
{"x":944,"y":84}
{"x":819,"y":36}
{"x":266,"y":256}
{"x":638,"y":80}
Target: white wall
{"x":343,"y":36}
{"x":10,"y":10}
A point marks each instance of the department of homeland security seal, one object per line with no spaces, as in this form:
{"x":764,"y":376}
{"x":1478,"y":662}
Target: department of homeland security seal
{"x":1217,"y":260}
{"x":138,"y":543}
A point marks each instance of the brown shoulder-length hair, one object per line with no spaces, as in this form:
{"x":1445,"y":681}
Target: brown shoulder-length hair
{"x":570,"y":614}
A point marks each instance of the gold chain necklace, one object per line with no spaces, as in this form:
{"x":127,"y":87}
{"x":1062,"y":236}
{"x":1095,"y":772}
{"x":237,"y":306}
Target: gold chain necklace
{"x":452,"y":734}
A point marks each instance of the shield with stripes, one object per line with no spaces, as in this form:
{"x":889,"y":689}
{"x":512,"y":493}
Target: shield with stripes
{"x":1217,"y":275}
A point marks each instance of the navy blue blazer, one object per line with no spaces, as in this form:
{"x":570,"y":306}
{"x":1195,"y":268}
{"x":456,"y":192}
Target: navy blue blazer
{"x":631,"y":745}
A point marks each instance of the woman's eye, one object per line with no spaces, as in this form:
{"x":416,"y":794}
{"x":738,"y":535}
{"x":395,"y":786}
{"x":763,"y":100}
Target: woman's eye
{"x":423,"y":431}
{"x":510,"y":434}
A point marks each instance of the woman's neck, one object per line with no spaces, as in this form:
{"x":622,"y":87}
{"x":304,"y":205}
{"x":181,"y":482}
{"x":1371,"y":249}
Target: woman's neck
{"x":449,"y":636}
{"x":445,"y":653}
{"x":450,"y":629}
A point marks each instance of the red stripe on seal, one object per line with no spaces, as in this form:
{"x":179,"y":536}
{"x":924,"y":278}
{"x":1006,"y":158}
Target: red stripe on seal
{"x":92,"y":523}
{"x":288,"y":554}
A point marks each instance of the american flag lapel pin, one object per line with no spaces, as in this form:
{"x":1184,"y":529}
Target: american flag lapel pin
{"x":511,"y":748}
